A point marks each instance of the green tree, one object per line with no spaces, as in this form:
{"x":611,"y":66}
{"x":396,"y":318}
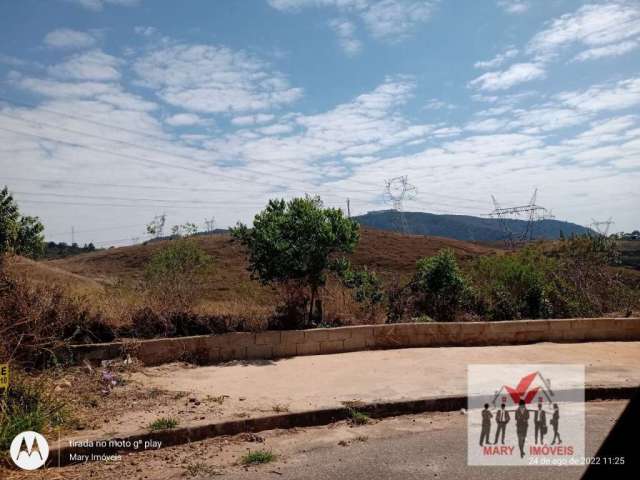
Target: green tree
{"x":295,"y":240}
{"x":173,"y":272}
{"x":441,"y":284}
{"x":21,"y":235}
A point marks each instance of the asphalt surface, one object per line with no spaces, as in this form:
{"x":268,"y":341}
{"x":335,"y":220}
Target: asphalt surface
{"x":424,"y":455}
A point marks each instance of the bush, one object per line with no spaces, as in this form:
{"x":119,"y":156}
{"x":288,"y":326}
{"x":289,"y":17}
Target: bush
{"x":440,"y":286}
{"x":173,"y":274}
{"x":572,"y":279}
{"x":27,"y":405}
{"x":37,"y":321}
{"x":514,"y":286}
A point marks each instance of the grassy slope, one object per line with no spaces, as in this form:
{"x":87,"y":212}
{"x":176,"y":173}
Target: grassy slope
{"x":390,"y":254}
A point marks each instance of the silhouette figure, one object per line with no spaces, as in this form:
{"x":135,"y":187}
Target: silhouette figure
{"x":502,"y":418}
{"x":486,"y":425}
{"x":540,"y":423}
{"x":554,"y":423}
{"x":522,"y":425}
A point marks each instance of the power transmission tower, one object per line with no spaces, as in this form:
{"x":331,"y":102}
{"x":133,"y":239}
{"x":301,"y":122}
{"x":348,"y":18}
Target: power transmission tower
{"x":531,"y":213}
{"x":397,"y":190}
{"x":602,"y":227}
{"x":348,"y":208}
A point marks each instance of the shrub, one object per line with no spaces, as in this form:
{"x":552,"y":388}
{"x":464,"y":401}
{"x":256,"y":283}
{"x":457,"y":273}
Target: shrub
{"x":257,"y":456}
{"x":366,"y":286}
{"x":364,"y":289}
{"x":37,"y":321}
{"x":28,"y":405}
{"x":514,"y":286}
{"x":440,"y":286}
{"x":164,"y":423}
{"x":173,"y":273}
{"x":573,"y":278}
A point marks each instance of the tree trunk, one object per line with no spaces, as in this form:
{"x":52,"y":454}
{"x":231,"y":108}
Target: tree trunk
{"x":313,"y":299}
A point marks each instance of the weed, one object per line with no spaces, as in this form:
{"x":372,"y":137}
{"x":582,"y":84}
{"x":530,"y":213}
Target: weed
{"x":280,"y":408}
{"x":201,"y":469}
{"x":258,"y":456}
{"x":27,"y":405}
{"x":361,"y":438}
{"x":164,"y":423}
{"x":217,"y":399}
{"x":358,"y":418}
{"x":155,"y":392}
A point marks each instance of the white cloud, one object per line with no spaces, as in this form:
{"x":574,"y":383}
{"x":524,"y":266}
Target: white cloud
{"x":68,"y":38}
{"x":613,"y":50}
{"x":592,"y":25}
{"x":389,"y":20}
{"x":435,"y":104}
{"x":97,"y":5}
{"x":145,"y":31}
{"x":345,"y":31}
{"x":184,"y":120}
{"x":247,"y":120}
{"x":623,"y":94}
{"x":277,"y":129}
{"x":214,"y":79}
{"x":91,"y":65}
{"x":394,"y":19}
{"x":498,"y":60}
{"x":514,"y":6}
{"x":515,"y":74}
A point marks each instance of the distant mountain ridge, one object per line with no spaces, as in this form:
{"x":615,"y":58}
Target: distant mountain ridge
{"x":465,"y":227}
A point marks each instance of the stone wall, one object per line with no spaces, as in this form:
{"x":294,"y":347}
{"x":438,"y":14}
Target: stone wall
{"x":209,"y":349}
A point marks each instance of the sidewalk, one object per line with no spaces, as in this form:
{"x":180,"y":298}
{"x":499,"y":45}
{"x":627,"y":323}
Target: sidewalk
{"x":250,"y":389}
{"x":302,"y":383}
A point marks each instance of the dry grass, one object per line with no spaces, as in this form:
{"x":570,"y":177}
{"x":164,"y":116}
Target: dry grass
{"x":110,"y":280}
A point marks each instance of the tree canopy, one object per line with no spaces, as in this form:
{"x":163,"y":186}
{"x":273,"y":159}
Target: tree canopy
{"x":295,"y":240}
{"x":21,"y":235}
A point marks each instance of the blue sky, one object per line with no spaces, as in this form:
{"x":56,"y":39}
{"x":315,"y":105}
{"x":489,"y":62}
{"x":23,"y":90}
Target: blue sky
{"x":113,"y":111}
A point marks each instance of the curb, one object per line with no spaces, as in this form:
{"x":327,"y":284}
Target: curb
{"x":64,"y":455}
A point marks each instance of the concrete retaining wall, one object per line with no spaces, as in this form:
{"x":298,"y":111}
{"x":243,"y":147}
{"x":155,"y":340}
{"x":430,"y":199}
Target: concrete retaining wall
{"x":209,"y":349}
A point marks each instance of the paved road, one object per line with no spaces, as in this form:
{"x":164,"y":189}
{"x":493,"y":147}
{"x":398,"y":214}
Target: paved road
{"x":425,"y":446}
{"x":439,"y":453}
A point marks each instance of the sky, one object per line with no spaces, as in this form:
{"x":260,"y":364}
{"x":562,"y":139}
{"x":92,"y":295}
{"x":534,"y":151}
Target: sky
{"x":115,"y":111}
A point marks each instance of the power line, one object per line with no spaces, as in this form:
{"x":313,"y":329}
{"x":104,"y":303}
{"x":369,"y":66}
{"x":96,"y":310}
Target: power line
{"x":164,"y":139}
{"x":103,"y":197}
{"x":103,"y":229}
{"x":123,"y":205}
{"x":152,"y":149}
{"x":148,"y":161}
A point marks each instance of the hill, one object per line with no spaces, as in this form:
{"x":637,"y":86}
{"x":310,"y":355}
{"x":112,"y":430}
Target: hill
{"x":388,"y":253}
{"x":465,"y":227}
